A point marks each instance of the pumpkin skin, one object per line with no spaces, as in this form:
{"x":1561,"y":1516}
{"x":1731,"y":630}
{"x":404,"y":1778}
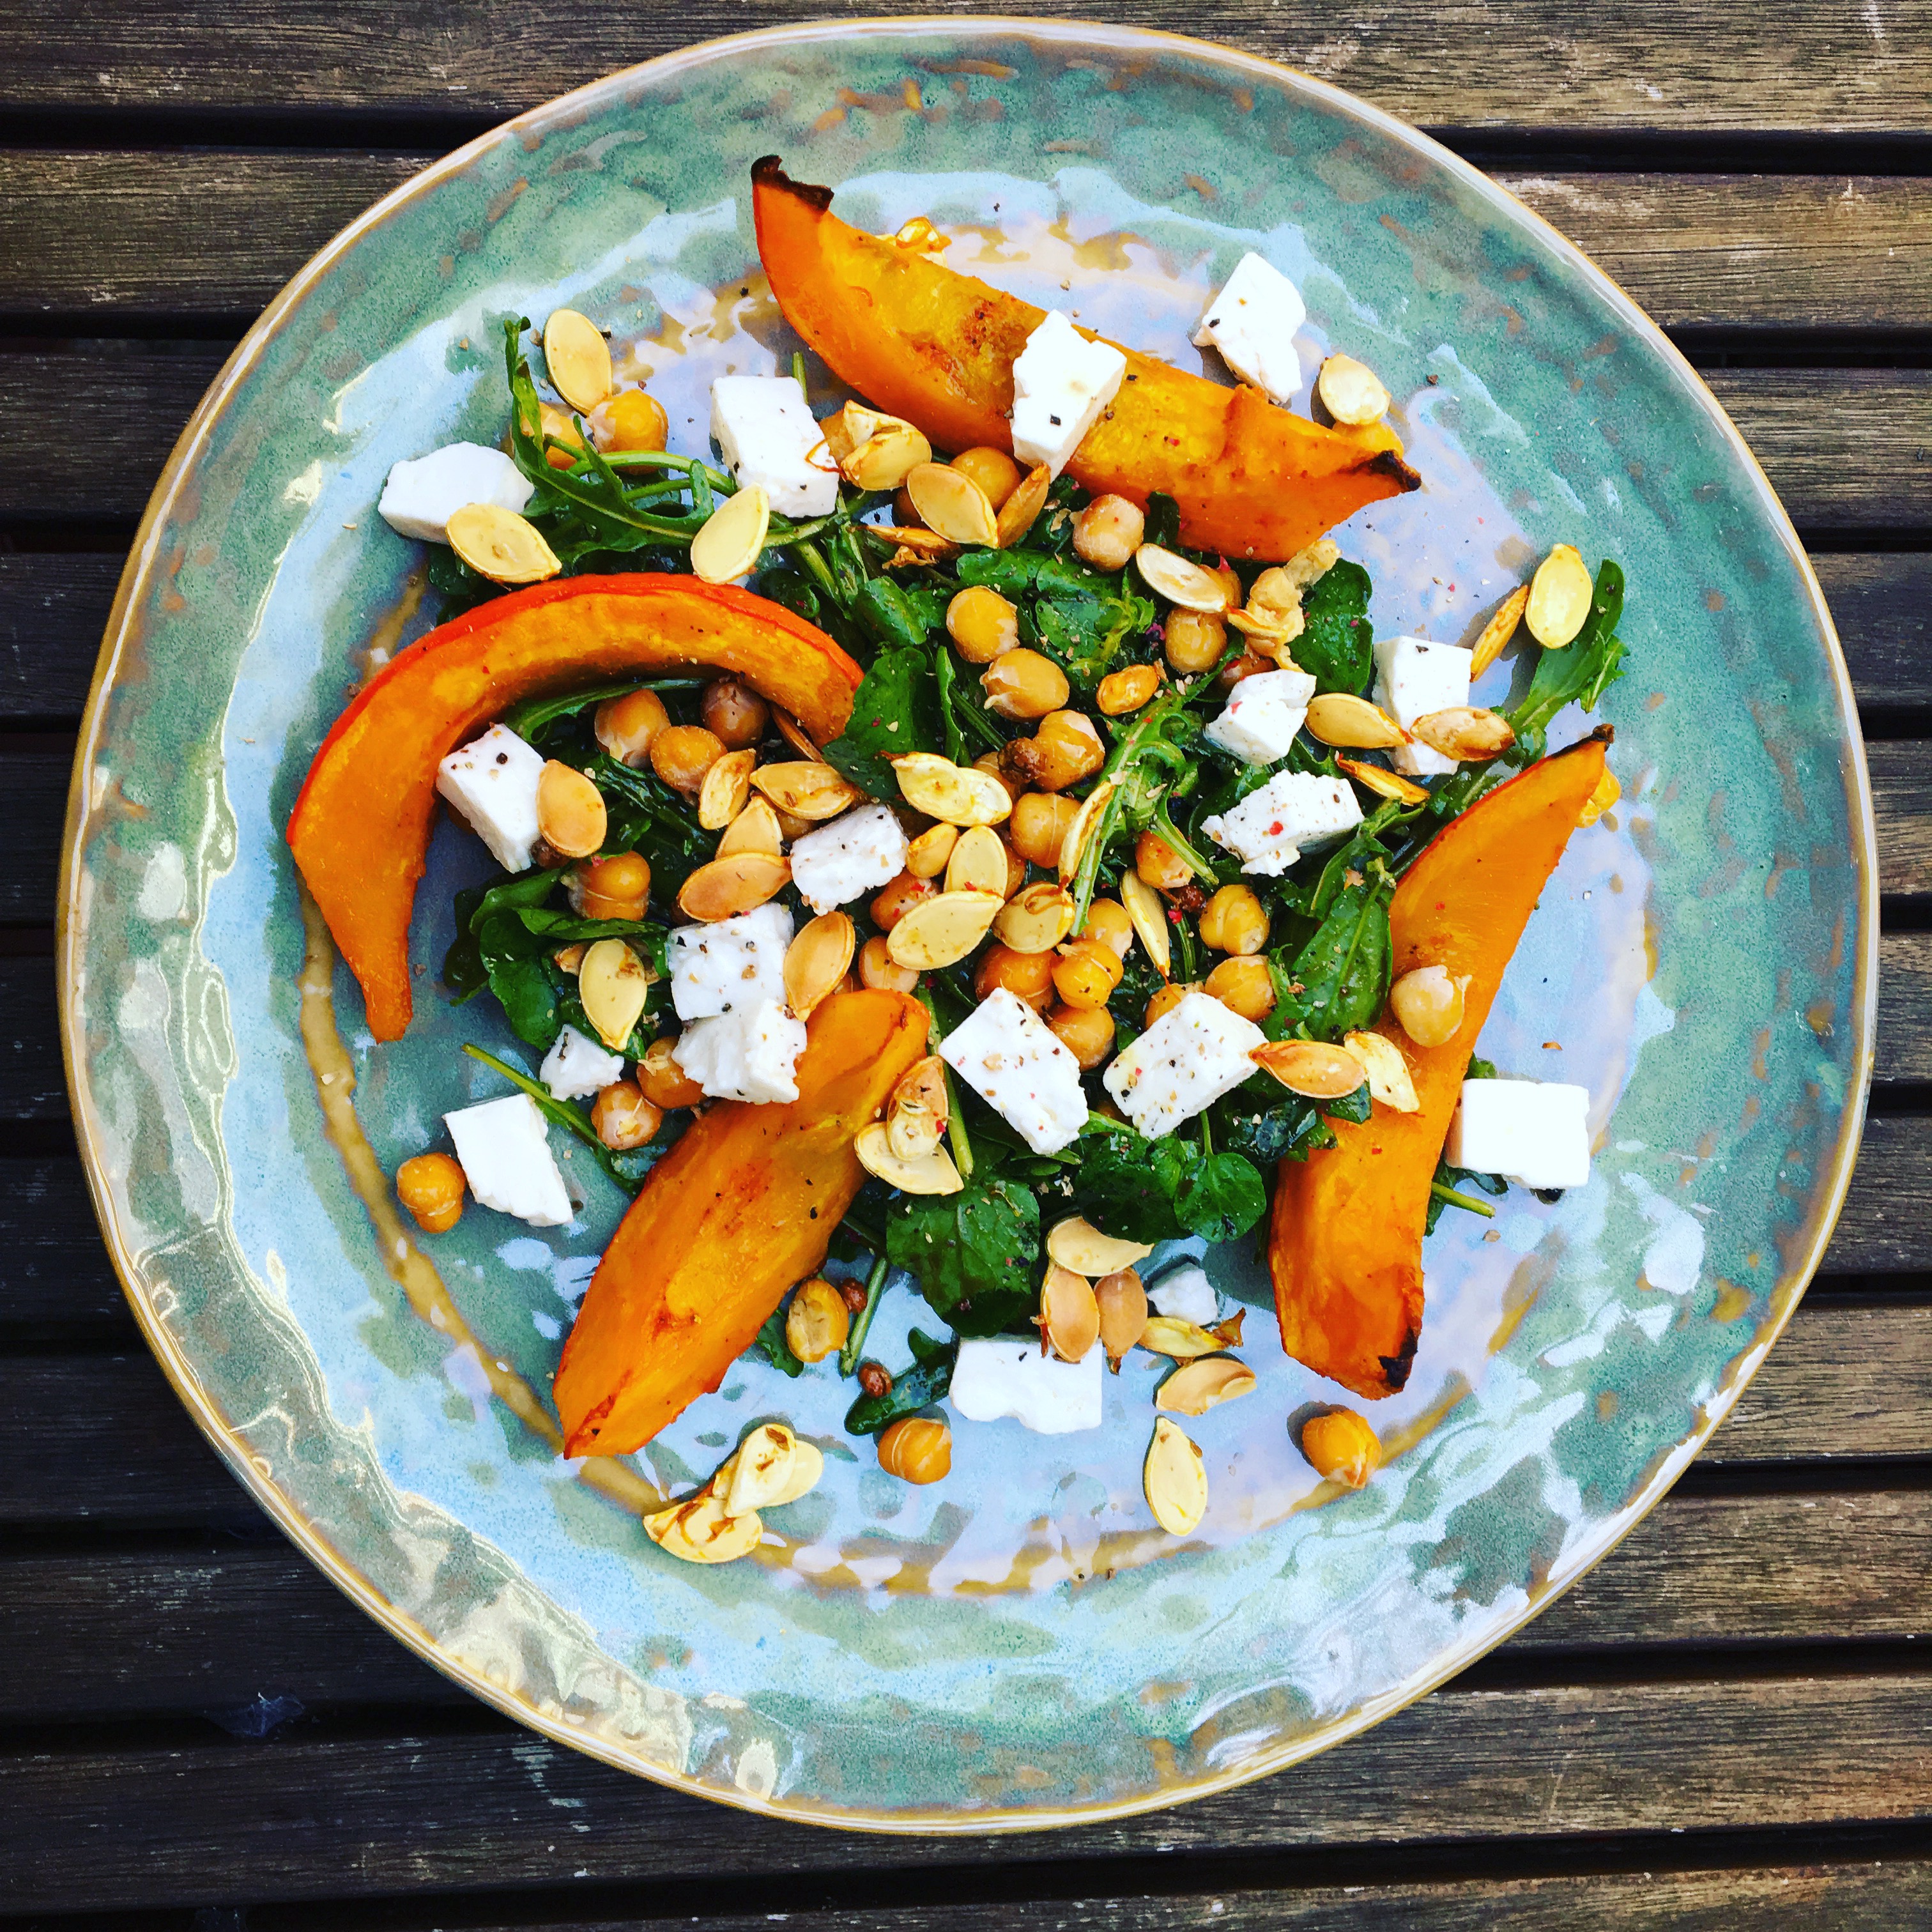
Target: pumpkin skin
{"x":1345,"y":1241}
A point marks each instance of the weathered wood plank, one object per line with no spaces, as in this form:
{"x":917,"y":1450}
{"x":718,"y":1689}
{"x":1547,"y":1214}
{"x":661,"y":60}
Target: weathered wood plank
{"x":54,"y":1271}
{"x":1643,"y":64}
{"x":1840,"y":1382}
{"x":1886,"y":1226}
{"x":36,"y":780}
{"x":1881,"y":602}
{"x":216,"y":232}
{"x":33,"y":1084}
{"x":498,"y":1807}
{"x":1901,"y":782}
{"x":1904,"y":1050}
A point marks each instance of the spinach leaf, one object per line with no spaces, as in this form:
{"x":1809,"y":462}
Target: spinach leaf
{"x":1354,"y":1107}
{"x":770,"y":1342}
{"x":1458,"y":1180}
{"x":516,"y":963}
{"x":895,"y":616}
{"x":1581,"y":673}
{"x":1344,"y":970}
{"x":1080,"y":617}
{"x":648,"y":817}
{"x":972,"y":1252}
{"x":535,"y":715}
{"x":1163,"y":520}
{"x":1112,"y":1187}
{"x":1158,"y":1190}
{"x":1218,"y":1196}
{"x":892,"y":713}
{"x":1336,"y":646}
{"x":1267,"y":1134}
{"x":913,"y":1390}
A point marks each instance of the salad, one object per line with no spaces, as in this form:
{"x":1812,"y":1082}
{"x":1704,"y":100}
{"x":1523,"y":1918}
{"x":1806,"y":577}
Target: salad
{"x":974,"y":832}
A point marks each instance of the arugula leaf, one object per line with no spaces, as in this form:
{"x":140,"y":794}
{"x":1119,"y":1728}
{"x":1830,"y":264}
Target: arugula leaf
{"x":1336,"y":646}
{"x":1580,"y":673}
{"x":916,"y":1388}
{"x":893,"y":712}
{"x":972,"y":1252}
{"x":1344,"y":970}
{"x":650,"y":817}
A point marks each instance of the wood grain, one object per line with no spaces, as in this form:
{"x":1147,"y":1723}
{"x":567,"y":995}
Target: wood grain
{"x":214,"y":233}
{"x":1641,"y":65}
{"x":1905,"y":1006}
{"x":54,"y":1272}
{"x":1901,"y":783}
{"x":33,"y":1083}
{"x":1886,"y":1227}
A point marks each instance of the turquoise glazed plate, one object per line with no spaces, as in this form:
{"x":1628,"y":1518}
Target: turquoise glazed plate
{"x":1017,"y":1645}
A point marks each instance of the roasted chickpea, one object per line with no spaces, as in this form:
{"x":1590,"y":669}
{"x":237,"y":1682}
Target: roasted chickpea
{"x":622,"y":1117}
{"x":1065,"y":749}
{"x":1038,"y":823}
{"x":1343,"y":1446}
{"x":430,"y":1186}
{"x":1107,"y":919}
{"x":1028,"y":975}
{"x":663,"y":1082}
{"x":1016,"y":866}
{"x":1108,"y":532}
{"x":626,"y":727}
{"x":916,"y":1449}
{"x":560,"y":426}
{"x":733,"y":713}
{"x":1086,"y":974}
{"x":682,"y":754}
{"x":877,"y":968}
{"x":1167,"y":998}
{"x":1234,"y":921}
{"x":1195,"y":640}
{"x":613,"y":888}
{"x":994,"y":764}
{"x":905,"y":512}
{"x":1428,"y":1005}
{"x":632,"y":419}
{"x":982,"y":624}
{"x":1250,"y":664}
{"x":897,"y":897}
{"x":1121,"y":691}
{"x":818,"y":1322}
{"x":1086,"y":1032}
{"x":1159,"y":864}
{"x":1023,"y":684}
{"x":1244,"y":984}
{"x":993,"y":470}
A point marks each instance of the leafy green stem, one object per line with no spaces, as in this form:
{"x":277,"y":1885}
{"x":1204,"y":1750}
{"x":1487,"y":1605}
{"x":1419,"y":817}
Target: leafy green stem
{"x":1442,"y":1192}
{"x":861,"y":1322}
{"x":572,"y":1120}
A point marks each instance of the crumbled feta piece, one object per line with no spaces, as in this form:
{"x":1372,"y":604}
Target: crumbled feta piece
{"x":1193,"y":1053}
{"x":1267,"y":830}
{"x":505,"y":1157}
{"x":576,"y":1067}
{"x":1004,"y":1377}
{"x":1262,"y":714}
{"x":492,"y":782}
{"x":1252,"y":322}
{"x":1413,"y":678}
{"x":853,"y":855}
{"x":1018,"y":1066}
{"x":421,"y":495}
{"x":1536,"y":1132}
{"x":767,"y":434}
{"x":1061,"y":382}
{"x":748,"y":1054}
{"x":1187,"y":1295}
{"x":729,"y":965}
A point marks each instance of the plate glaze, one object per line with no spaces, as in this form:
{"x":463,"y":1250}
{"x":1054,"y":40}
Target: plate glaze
{"x":1017,"y":1645}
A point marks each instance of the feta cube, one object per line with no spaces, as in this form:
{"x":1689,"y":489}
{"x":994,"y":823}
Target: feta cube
{"x":1413,"y":678}
{"x":505,"y":1157}
{"x":1267,"y":830}
{"x":750,"y":1054}
{"x":492,"y":782}
{"x":852,"y":855}
{"x":1187,"y":1295}
{"x":729,"y":965}
{"x":1252,"y":322}
{"x":767,"y":434}
{"x":1262,"y":714}
{"x":422,"y":494}
{"x":1536,"y":1132}
{"x":1061,"y":382}
{"x":1018,"y":1065}
{"x":1193,"y":1053}
{"x":1004,"y":1377}
{"x":576,"y":1067}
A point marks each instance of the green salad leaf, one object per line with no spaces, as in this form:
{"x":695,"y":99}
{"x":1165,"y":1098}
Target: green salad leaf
{"x":895,"y":711}
{"x":1336,"y":646}
{"x":972,"y":1253}
{"x":1080,"y":617}
{"x":1343,"y":970}
{"x":914,"y":1389}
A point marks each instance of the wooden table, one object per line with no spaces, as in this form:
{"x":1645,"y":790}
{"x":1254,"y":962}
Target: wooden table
{"x":1731,"y":1717}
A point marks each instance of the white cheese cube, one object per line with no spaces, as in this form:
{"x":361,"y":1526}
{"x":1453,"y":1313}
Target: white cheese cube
{"x":492,"y":782}
{"x":1187,"y":1295}
{"x":1262,"y":714}
{"x":852,"y":855}
{"x":576,"y":1067}
{"x":1192,"y":1055}
{"x":1536,"y":1132}
{"x":1252,"y":322}
{"x":505,"y":1157}
{"x":730,"y":965}
{"x":767,"y":434}
{"x":1267,"y":830}
{"x":1004,"y":1377}
{"x":422,"y":494}
{"x":750,"y":1053}
{"x":1018,"y":1065}
{"x":1413,"y":678}
{"x":1061,"y":382}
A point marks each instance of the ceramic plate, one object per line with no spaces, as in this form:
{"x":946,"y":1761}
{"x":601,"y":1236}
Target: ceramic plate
{"x":1019,"y":1644}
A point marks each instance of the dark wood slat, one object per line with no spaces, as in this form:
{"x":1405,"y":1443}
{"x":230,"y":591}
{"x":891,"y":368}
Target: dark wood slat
{"x":1901,"y":782}
{"x":1881,"y":604}
{"x":1905,"y":1006}
{"x":33,"y":1085}
{"x":1841,"y":1381}
{"x":1644,"y":65}
{"x":95,"y":1635}
{"x":1886,"y":1226}
{"x":500,"y":1808}
{"x":216,"y":232}
{"x":37,"y":780}
{"x":54,"y":1270}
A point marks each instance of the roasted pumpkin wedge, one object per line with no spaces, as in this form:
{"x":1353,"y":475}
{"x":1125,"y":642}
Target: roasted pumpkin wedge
{"x":922,"y":341}
{"x":740,"y":1210}
{"x":360,"y":829}
{"x":1346,"y":1245}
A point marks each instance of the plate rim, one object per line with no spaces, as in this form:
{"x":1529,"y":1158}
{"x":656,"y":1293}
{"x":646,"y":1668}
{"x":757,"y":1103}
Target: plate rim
{"x":1828,"y":1199}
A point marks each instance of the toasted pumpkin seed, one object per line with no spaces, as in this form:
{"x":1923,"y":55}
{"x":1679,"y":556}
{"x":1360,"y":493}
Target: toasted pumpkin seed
{"x":1036,"y":919}
{"x":1383,"y":782}
{"x":795,"y":735}
{"x":728,"y":546}
{"x":1465,"y":731}
{"x":932,"y":1173}
{"x":1498,"y":631}
{"x":1170,"y":575}
{"x":960,"y":794}
{"x":700,"y":1531}
{"x":1560,"y":595}
{"x":570,"y":813}
{"x":1389,"y":1078}
{"x":1312,"y":1067}
{"x":1148,"y":911}
{"x":1269,"y":632}
{"x":978,"y":863}
{"x":942,"y":930}
{"x":498,"y":544}
{"x":761,"y":1470}
{"x":1351,"y":392}
{"x":1075,"y":842}
{"x":917,"y":548}
{"x":1068,"y":1320}
{"x":1175,"y":1479}
{"x":1076,"y":1244}
{"x":928,"y":855}
{"x":612,"y":981}
{"x":755,"y":830}
{"x":1020,"y":511}
{"x":1339,"y":718}
{"x":952,"y":505}
{"x":818,"y":959}
{"x":578,"y":359}
{"x":726,"y":786}
{"x":874,"y":450}
{"x":917,"y":1115}
{"x":1198,"y":1386}
{"x":807,"y":789}
{"x":726,"y":887}
{"x":1123,"y":1303}
{"x":1607,"y":793}
{"x":808,"y":1465}
{"x":1170,"y":1335}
